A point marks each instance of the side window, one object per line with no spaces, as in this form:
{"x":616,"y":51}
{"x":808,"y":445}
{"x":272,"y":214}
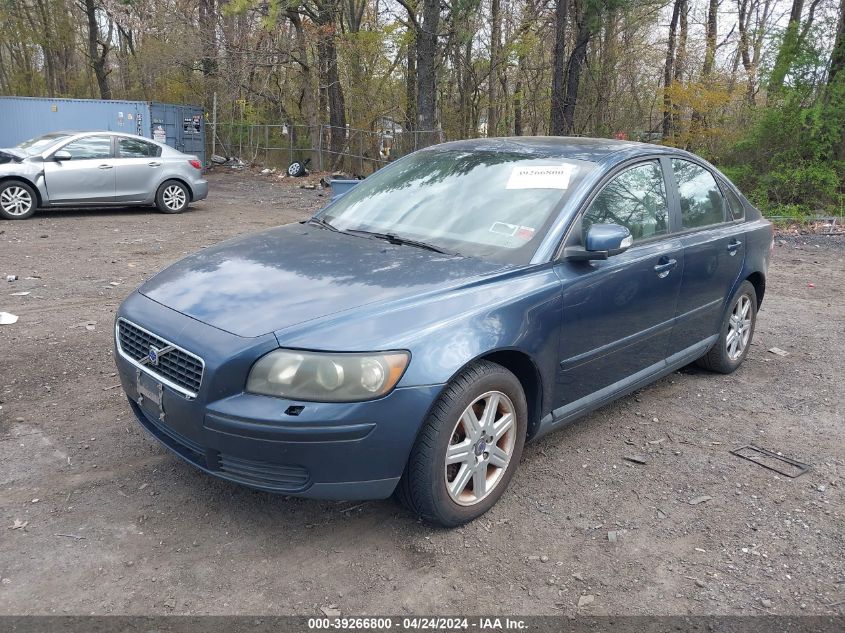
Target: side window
{"x":702,"y":203}
{"x":636,"y":199}
{"x":135,"y":148}
{"x":737,"y":211}
{"x":89,"y":147}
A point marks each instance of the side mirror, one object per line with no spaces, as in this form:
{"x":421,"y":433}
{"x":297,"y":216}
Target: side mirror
{"x":602,"y":241}
{"x":62,"y":155}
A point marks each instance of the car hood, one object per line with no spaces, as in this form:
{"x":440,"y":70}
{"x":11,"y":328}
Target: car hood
{"x":9,"y":154}
{"x":269,"y":281}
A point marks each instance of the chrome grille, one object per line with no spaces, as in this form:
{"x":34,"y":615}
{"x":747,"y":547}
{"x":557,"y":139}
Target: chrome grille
{"x":175,"y":366}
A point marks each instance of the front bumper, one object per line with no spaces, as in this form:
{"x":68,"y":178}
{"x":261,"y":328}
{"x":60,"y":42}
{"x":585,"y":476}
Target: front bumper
{"x":325,"y":450}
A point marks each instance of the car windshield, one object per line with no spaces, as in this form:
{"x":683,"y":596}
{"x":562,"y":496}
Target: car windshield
{"x":488,"y":204}
{"x":37,"y":145}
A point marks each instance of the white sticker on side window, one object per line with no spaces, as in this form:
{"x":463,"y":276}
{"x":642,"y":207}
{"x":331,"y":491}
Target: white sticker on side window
{"x":541,"y":177}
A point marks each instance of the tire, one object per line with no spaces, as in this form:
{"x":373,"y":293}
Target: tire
{"x":296,"y":169}
{"x":424,"y":487}
{"x":731,"y":348}
{"x":172,"y":197}
{"x":17,"y":200}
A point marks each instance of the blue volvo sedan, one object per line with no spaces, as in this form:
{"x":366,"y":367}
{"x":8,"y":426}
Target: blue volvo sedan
{"x":417,"y":331}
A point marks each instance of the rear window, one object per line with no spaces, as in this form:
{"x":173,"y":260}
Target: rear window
{"x":735,"y":208}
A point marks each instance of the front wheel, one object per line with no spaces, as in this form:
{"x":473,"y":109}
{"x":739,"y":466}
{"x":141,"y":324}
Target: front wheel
{"x":468,"y":448}
{"x":17,"y":200}
{"x":737,"y":331}
{"x":172,"y":197}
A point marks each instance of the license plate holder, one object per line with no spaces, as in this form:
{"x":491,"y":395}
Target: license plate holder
{"x":150,"y":392}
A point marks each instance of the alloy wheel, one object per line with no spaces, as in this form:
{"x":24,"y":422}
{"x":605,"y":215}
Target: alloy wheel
{"x":739,"y":328}
{"x":480,"y":448}
{"x":15,"y":200}
{"x":174,"y":197}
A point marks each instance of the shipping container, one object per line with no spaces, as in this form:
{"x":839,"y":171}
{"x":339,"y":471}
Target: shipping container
{"x":180,"y":126}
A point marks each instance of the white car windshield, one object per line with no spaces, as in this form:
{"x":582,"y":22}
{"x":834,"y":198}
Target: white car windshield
{"x":40,"y":144}
{"x":489,"y":204}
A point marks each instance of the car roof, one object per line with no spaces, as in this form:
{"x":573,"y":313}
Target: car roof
{"x":595,"y":150}
{"x":109,"y":132}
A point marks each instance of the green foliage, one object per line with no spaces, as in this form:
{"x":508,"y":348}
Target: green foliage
{"x":788,"y":163}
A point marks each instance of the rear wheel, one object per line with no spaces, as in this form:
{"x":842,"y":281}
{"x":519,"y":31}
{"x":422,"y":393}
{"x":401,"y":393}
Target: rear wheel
{"x":172,"y":197}
{"x":469,"y":447}
{"x":17,"y":200}
{"x":735,"y":336}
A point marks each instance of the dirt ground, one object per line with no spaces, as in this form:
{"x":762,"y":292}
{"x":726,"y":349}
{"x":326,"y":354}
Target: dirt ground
{"x":97,"y":518}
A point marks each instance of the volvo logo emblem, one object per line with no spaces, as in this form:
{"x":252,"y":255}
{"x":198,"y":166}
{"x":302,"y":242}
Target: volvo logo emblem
{"x":152,"y":355}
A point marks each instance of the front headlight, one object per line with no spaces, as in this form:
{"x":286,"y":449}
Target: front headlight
{"x":326,"y":377}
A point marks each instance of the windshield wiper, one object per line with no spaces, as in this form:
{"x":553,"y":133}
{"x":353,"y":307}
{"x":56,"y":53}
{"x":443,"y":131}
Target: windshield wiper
{"x":396,"y":239}
{"x":321,"y":222}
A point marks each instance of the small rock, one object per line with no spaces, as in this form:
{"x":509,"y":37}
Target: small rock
{"x":767,"y":604}
{"x":330,"y":611}
{"x":612,"y":536}
{"x":578,"y":576}
{"x":655,"y":420}
{"x":585,"y":601}
{"x":636,"y":459}
{"x":697,"y":500}
{"x":700,"y":583}
{"x":778,"y":351}
{"x":821,"y":488}
{"x":544,"y":559}
{"x":661,"y":514}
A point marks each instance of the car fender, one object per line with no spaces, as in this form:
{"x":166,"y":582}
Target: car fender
{"x":29,"y":172}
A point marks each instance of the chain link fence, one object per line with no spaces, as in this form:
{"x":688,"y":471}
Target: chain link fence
{"x":349,"y":150}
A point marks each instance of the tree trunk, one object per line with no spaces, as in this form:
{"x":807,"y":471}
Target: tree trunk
{"x":667,"y":71}
{"x":788,"y":49}
{"x":573,"y":71}
{"x":208,"y":33}
{"x":835,"y":88}
{"x":308,"y":104}
{"x":98,"y":59}
{"x":411,"y":85}
{"x":710,"y":40}
{"x":698,"y":122}
{"x":557,"y":126}
{"x":493,"y":78}
{"x":426,"y":69}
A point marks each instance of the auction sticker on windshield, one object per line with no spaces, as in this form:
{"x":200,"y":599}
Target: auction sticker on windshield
{"x":540,"y":177}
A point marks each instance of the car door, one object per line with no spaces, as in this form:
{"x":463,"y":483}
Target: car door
{"x":714,"y":252}
{"x":618,"y":313}
{"x":138,"y":167}
{"x":87,"y":177}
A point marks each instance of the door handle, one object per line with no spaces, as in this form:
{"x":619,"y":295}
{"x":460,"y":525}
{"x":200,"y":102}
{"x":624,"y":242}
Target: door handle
{"x":733,"y":247}
{"x":106,"y":166}
{"x":665,"y":267}
{"x":154,"y":164}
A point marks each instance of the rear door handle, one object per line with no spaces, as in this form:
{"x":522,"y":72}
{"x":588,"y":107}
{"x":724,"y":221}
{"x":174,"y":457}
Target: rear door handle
{"x":106,"y":166}
{"x":733,"y":247}
{"x":665,"y":267}
{"x":154,"y":164}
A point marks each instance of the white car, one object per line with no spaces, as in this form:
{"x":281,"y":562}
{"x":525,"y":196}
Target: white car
{"x":99,"y":169}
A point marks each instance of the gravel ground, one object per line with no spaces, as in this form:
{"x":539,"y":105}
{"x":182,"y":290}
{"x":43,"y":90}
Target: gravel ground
{"x":96,"y":518}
